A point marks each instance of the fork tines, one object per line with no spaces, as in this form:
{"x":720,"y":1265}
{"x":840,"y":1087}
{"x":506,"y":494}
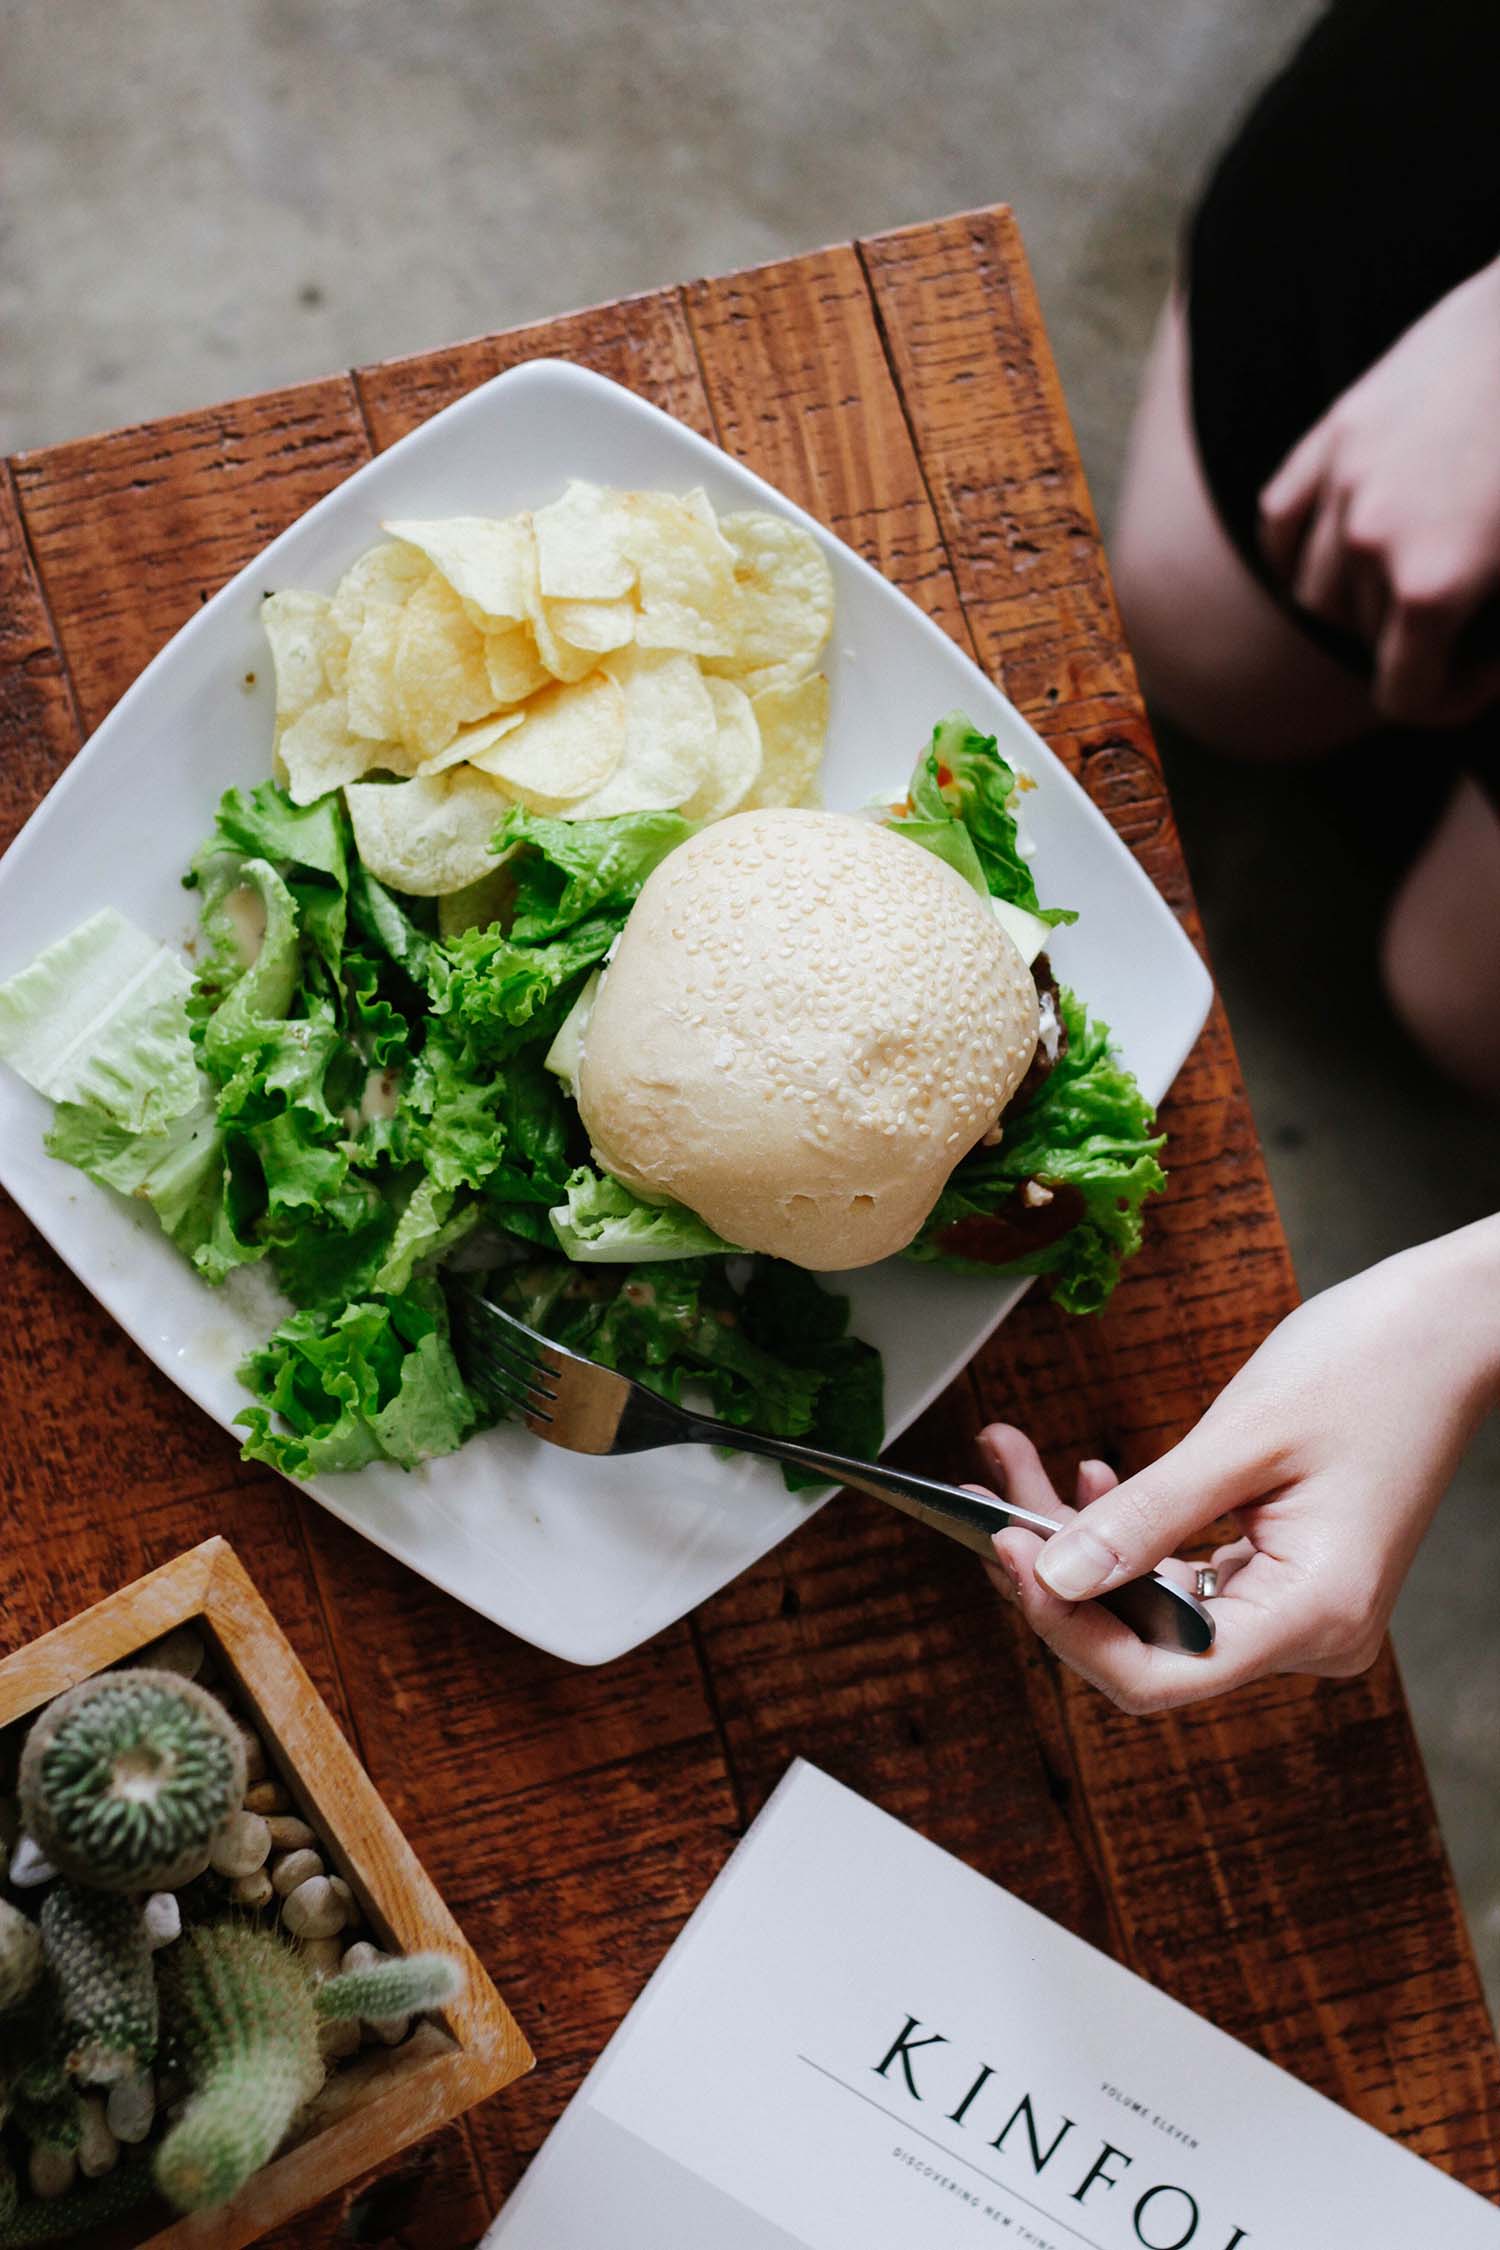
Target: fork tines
{"x":507,"y":1358}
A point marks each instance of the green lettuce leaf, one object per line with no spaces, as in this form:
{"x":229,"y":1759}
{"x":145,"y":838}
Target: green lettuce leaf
{"x":377,"y":1381}
{"x":427,"y":1228}
{"x":602,"y":1223}
{"x":504,"y":994}
{"x":101,"y":1018}
{"x":774,"y":1356}
{"x":1089,"y":1131}
{"x":961,"y":781}
{"x":784,"y":1310}
{"x":564,"y":870}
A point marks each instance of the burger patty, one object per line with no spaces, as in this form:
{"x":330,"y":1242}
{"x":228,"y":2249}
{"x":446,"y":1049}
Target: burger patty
{"x":1032,"y":1217}
{"x":1052,"y":1040}
{"x":1038,"y":1212}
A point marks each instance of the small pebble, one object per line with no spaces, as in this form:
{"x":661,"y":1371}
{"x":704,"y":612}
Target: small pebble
{"x":289,"y":1834}
{"x":51,"y":2171}
{"x":29,"y":1865}
{"x":253,"y":1890}
{"x":255,"y":1757}
{"x":315,"y":1909}
{"x":362,"y":1955}
{"x":97,"y":2147}
{"x":321,"y":1956}
{"x":131,"y":2107}
{"x":292,"y":1868}
{"x":267,"y":1797}
{"x":342,"y":1892}
{"x":163,"y":1918}
{"x":338,"y":2038}
{"x":241,"y":1845}
{"x":181,"y":1652}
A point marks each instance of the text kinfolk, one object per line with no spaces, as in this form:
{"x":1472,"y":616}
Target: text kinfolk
{"x":1164,"y":2217}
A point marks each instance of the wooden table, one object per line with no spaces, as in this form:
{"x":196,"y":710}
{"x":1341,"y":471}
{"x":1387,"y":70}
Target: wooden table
{"x":1273,"y":1862}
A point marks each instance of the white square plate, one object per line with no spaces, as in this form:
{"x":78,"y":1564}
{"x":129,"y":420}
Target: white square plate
{"x":585,"y":1558}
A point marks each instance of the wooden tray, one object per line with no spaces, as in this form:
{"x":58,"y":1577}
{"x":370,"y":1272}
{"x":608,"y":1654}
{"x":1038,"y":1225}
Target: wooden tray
{"x":386,"y":2097}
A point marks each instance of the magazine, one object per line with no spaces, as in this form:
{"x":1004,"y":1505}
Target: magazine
{"x":858,"y":2043}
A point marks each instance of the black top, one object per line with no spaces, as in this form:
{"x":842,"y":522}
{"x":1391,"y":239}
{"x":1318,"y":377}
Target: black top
{"x":1363,"y":186}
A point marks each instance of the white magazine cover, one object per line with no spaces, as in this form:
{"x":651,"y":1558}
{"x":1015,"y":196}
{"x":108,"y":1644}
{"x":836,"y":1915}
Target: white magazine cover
{"x":858,"y":2043}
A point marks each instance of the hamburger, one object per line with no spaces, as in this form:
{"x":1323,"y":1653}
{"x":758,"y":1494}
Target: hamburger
{"x":807,"y":1025}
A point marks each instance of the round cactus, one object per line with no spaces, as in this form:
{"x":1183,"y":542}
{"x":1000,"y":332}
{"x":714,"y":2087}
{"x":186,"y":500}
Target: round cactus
{"x":125,"y":1778}
{"x":20,"y":1956}
{"x":388,"y":1988}
{"x":99,"y":1953}
{"x":240,"y":2018}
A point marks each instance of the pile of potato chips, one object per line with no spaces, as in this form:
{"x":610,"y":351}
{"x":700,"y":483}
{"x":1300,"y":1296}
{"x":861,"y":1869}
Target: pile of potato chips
{"x":613,"y":652}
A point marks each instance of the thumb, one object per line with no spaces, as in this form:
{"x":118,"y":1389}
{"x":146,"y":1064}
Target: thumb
{"x":1128,"y":1531}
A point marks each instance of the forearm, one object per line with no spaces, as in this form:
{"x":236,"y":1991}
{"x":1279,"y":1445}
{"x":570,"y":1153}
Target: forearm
{"x":1461,"y":1299}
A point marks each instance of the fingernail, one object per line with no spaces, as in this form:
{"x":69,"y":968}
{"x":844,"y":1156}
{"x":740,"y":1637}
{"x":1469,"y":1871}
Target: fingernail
{"x":1010,"y":1577}
{"x":1076,"y":1564}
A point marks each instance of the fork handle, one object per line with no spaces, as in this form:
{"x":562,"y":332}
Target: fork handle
{"x":1158,"y":1612}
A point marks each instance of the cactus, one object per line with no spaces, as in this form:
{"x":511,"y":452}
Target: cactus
{"x":51,"y":2120}
{"x":388,"y":1988}
{"x":20,"y":1956}
{"x":125,"y":1778}
{"x":99,"y":1953}
{"x":62,"y":2218}
{"x":240,"y":2017}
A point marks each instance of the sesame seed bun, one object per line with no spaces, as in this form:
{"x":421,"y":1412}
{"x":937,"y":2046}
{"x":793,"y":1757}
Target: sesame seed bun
{"x":808,"y":1022}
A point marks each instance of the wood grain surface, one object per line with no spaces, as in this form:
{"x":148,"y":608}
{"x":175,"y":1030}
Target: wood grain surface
{"x":1274,"y":1861}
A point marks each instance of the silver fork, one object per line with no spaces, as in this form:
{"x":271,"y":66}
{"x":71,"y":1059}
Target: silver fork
{"x":574,"y":1402}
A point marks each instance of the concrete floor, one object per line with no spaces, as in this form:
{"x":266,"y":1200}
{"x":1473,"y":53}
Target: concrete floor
{"x":203,"y":197}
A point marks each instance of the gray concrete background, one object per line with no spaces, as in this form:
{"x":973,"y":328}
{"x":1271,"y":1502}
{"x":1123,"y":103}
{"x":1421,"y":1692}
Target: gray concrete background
{"x":203,"y":197}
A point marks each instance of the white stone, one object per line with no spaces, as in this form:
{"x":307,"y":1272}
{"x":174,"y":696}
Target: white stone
{"x":241,"y":1845}
{"x":292,"y":1868}
{"x":338,"y":2038}
{"x":29,"y":1865}
{"x":315,"y":1909}
{"x":98,"y":2150}
{"x":131,"y":2107}
{"x":51,"y":2171}
{"x":163,"y":1918}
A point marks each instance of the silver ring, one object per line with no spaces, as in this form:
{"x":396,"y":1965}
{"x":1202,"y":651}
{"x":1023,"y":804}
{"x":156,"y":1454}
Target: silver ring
{"x":1207,"y":1584}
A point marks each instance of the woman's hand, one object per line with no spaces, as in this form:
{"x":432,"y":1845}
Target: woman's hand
{"x":1332,"y":1447}
{"x":1385,"y":519}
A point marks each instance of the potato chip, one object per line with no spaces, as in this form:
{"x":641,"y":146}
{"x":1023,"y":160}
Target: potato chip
{"x":670,"y":735}
{"x":582,"y":542}
{"x":469,"y":742}
{"x":317,"y":751}
{"x":489,"y":561}
{"x":441,"y":677}
{"x":793,"y":722}
{"x":430,"y":835}
{"x":686,"y":576}
{"x":382,"y":578}
{"x":783,"y":606}
{"x":571,"y":739}
{"x":735,"y":766}
{"x":304,"y":640}
{"x":597,"y":626}
{"x":370,"y":674}
{"x":514,"y":667}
